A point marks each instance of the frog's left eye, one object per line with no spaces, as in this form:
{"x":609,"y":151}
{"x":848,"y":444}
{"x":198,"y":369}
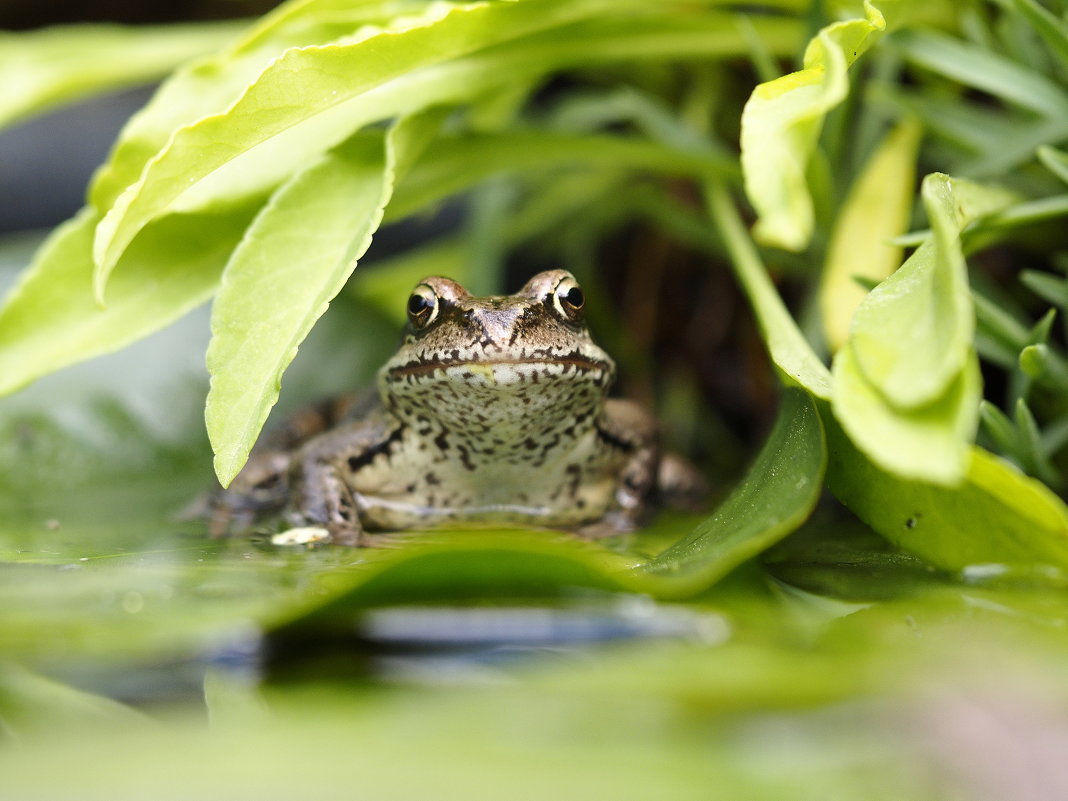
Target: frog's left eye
{"x":422,"y":306}
{"x":569,"y":299}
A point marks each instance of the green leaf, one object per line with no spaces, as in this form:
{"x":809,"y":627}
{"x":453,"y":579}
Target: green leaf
{"x":982,"y":69}
{"x":912,"y":333}
{"x":1049,"y":287}
{"x":210,"y":85}
{"x":783,"y":339}
{"x":1000,"y":429}
{"x":49,"y":320}
{"x":907,"y":385}
{"x":317,"y":95}
{"x":297,"y":254}
{"x":1056,"y":161}
{"x":1052,"y":30}
{"x":876,"y":210}
{"x":996,"y":515}
{"x":294,"y":258}
{"x":45,"y":68}
{"x":1033,"y":455}
{"x":931,"y":441}
{"x":453,"y":163}
{"x":774,"y":498}
{"x":781,"y":123}
{"x":1045,"y":365}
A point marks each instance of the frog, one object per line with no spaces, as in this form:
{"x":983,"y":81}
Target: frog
{"x":494,"y":410}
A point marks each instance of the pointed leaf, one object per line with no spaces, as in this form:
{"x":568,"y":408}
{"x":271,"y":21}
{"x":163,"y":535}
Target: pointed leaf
{"x":294,"y":258}
{"x":983,"y":69}
{"x":210,"y":85}
{"x":774,"y":498}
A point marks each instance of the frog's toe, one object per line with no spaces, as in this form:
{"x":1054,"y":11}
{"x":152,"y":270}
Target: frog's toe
{"x":680,"y":485}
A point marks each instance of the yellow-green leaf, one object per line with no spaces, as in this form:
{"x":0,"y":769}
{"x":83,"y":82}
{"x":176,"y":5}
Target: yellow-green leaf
{"x":781,"y":123}
{"x":876,"y":210}
{"x":49,"y":320}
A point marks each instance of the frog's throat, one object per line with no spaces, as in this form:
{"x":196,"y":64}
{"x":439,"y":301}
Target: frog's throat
{"x":423,"y":368}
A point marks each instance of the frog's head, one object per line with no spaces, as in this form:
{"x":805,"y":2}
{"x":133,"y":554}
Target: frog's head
{"x":532,"y":347}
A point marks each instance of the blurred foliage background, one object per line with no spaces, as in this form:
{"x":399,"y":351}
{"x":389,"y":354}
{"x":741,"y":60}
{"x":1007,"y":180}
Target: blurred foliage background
{"x":146,"y":658}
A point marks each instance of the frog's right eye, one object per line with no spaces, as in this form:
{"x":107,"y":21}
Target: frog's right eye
{"x":422,"y":306}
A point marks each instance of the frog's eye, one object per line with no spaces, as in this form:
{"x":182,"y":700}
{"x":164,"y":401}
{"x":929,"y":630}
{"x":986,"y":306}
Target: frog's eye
{"x":422,"y":306}
{"x":568,"y":299}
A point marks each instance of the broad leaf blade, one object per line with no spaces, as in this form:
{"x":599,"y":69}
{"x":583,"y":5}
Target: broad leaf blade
{"x":930,"y":442}
{"x":996,"y":515}
{"x":210,"y":85}
{"x":49,"y":319}
{"x":304,"y":83}
{"x":776,"y":496}
{"x":912,"y":333}
{"x":906,"y":387}
{"x":294,"y":258}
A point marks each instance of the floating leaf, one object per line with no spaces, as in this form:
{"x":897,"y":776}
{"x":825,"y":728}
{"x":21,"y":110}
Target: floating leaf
{"x":782,"y":121}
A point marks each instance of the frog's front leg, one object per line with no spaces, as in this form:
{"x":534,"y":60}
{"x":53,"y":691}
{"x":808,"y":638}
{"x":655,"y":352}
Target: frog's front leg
{"x":629,"y":428}
{"x":321,"y":478}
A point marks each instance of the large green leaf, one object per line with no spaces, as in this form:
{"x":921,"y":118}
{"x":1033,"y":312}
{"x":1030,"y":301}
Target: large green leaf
{"x":293,"y":259}
{"x":776,"y":496}
{"x":49,"y":320}
{"x":45,"y":68}
{"x":907,"y":387}
{"x":782,"y":121}
{"x":210,"y":85}
{"x":996,"y":515}
{"x":931,"y":442}
{"x":306,"y":83}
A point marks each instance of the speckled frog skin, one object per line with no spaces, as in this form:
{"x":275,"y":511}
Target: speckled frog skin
{"x":493,"y":410}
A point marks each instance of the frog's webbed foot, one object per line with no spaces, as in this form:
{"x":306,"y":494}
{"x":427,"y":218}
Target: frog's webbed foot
{"x":259,"y":489}
{"x":320,"y":491}
{"x":321,"y":498}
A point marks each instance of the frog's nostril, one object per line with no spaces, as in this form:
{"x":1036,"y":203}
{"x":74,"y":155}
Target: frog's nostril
{"x":496,"y":324}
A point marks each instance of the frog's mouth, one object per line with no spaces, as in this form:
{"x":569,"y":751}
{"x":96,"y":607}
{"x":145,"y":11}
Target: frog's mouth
{"x":581,"y":363}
